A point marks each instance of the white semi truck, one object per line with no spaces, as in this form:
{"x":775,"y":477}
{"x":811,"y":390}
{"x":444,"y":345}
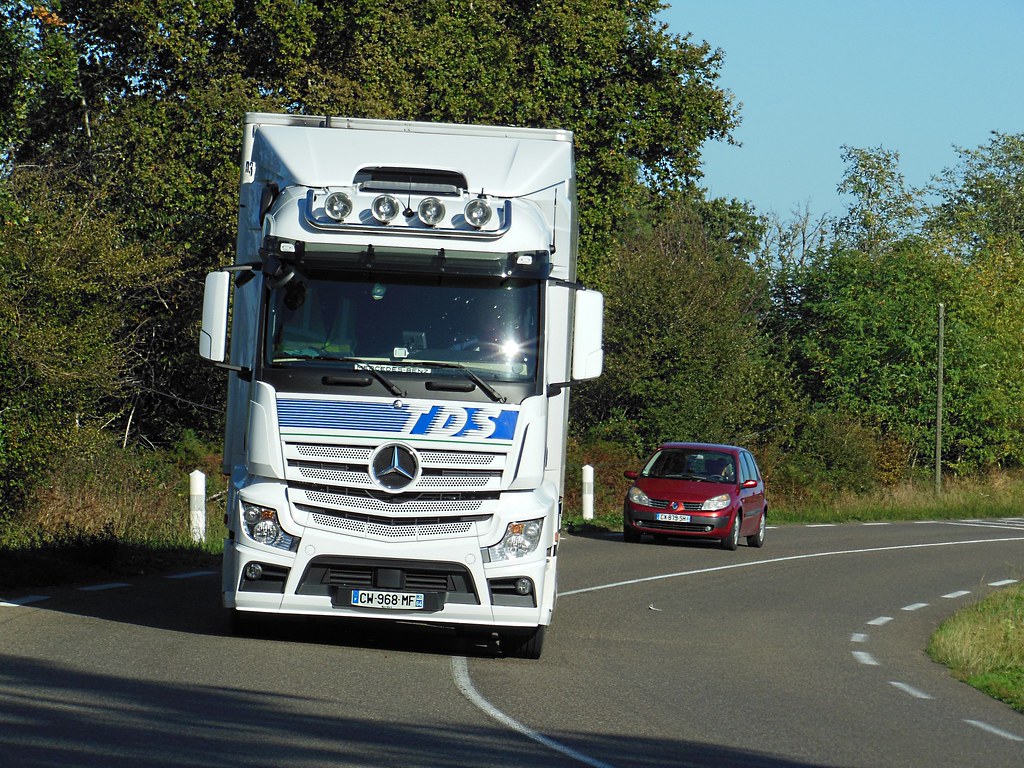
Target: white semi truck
{"x":401,"y":327}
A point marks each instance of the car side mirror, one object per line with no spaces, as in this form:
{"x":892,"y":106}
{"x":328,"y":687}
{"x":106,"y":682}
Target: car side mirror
{"x":630,"y":475}
{"x":750,"y":484}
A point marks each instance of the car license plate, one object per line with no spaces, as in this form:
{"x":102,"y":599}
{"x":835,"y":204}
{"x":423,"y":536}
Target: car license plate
{"x":375,"y":598}
{"x":668,"y":517}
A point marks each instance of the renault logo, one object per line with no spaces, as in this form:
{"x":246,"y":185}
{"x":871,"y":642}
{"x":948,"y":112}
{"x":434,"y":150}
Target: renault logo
{"x":394,"y":467}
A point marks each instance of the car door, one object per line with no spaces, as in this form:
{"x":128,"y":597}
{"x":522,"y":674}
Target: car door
{"x":752,"y":497}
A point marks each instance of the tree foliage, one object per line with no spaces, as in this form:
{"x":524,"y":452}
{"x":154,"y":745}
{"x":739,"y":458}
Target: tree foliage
{"x":119,"y":136}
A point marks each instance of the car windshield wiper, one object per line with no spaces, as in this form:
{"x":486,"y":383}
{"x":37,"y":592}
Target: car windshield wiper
{"x":385,"y":382}
{"x":490,"y":391}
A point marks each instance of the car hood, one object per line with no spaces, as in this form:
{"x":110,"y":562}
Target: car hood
{"x":682,"y":490}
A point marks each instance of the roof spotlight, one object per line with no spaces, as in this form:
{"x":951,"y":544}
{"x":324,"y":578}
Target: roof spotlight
{"x":430,"y":211}
{"x":478,"y":213}
{"x":338,"y":205}
{"x":385,"y":208}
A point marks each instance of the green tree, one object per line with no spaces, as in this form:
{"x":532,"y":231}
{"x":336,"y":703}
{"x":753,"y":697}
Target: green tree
{"x":684,"y":357}
{"x":135,"y":109}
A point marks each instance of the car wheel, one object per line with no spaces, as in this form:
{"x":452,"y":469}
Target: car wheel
{"x":732,"y":541}
{"x":629,"y":534}
{"x":757,"y":540}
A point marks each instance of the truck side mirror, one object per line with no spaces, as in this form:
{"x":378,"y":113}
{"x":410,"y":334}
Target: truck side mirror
{"x":587,"y":333}
{"x":214,"y":334}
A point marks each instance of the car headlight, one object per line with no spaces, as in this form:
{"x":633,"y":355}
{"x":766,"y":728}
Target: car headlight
{"x":718,"y":502}
{"x":263,"y":527}
{"x":636,"y":496}
{"x":520,"y":540}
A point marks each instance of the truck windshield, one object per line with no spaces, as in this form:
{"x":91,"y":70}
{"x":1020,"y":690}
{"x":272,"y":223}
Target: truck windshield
{"x":485,"y":324}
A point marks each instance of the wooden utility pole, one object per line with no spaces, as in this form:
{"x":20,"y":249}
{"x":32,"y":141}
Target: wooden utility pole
{"x":938,"y":404}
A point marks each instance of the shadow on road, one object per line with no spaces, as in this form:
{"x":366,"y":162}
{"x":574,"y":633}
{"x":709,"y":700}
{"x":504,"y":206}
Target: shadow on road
{"x":54,"y":715}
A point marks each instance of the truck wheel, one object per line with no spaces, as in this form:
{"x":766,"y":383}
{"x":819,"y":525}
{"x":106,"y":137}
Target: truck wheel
{"x":523,"y":646}
{"x":245,"y":623}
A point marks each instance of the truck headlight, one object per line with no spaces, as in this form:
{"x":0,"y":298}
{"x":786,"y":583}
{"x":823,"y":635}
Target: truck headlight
{"x":520,"y":540}
{"x":263,"y":527}
{"x":718,"y":502}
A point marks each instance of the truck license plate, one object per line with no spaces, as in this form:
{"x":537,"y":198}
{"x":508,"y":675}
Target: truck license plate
{"x":668,"y":517}
{"x":375,"y":598}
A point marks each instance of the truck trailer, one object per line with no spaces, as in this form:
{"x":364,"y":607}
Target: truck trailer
{"x":401,"y":327}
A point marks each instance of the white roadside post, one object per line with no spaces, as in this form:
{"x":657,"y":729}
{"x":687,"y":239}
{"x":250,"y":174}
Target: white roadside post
{"x":197,"y":505}
{"x":588,"y":492}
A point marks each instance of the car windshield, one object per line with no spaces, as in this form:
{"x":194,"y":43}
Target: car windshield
{"x":485,"y":324}
{"x":686,"y":464}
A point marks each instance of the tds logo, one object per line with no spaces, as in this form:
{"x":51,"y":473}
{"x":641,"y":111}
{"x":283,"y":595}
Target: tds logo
{"x":462,"y":421}
{"x":298,"y":416}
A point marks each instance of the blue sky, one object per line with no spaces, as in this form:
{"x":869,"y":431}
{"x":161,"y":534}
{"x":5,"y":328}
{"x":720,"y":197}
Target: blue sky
{"x":916,"y":76}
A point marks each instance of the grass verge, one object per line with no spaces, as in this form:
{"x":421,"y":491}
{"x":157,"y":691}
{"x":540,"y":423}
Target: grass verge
{"x":983,"y":645}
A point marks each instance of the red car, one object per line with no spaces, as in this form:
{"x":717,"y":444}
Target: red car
{"x":700,"y":491}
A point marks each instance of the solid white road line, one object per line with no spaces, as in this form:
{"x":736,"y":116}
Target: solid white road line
{"x":791,"y":558}
{"x":460,"y":671}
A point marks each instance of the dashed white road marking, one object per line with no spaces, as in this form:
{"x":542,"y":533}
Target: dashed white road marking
{"x":881,"y":620}
{"x":191,"y":575}
{"x":858,"y":637}
{"x":875,"y":524}
{"x":914,"y":607}
{"x":26,"y":600}
{"x":911,"y":690}
{"x":958,"y":593}
{"x":1003,"y":583}
{"x":866,"y":658}
{"x":104,"y":587}
{"x":993,"y":730}
{"x":821,"y":525}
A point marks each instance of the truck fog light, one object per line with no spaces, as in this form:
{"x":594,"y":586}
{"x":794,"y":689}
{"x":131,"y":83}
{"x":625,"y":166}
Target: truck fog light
{"x":430,"y":211}
{"x":524,"y":586}
{"x":385,"y":208}
{"x":254,"y":571}
{"x":477,"y":213}
{"x":338,"y":205}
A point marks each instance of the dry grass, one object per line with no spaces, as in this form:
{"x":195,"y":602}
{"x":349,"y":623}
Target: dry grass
{"x":108,"y":510}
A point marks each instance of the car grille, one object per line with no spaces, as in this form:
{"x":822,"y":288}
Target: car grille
{"x":688,"y":506}
{"x":681,"y":527}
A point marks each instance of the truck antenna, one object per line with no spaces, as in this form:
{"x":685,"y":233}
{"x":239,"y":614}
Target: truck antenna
{"x":554,"y":220}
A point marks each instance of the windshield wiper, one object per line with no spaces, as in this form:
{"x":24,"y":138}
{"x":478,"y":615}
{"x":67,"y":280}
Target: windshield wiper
{"x":384,"y":381}
{"x":490,"y":391}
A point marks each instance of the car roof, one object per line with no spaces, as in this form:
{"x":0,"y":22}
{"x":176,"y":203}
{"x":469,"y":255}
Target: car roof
{"x":701,"y":447}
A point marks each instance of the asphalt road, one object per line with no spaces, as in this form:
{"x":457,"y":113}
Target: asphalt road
{"x":808,"y":652}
